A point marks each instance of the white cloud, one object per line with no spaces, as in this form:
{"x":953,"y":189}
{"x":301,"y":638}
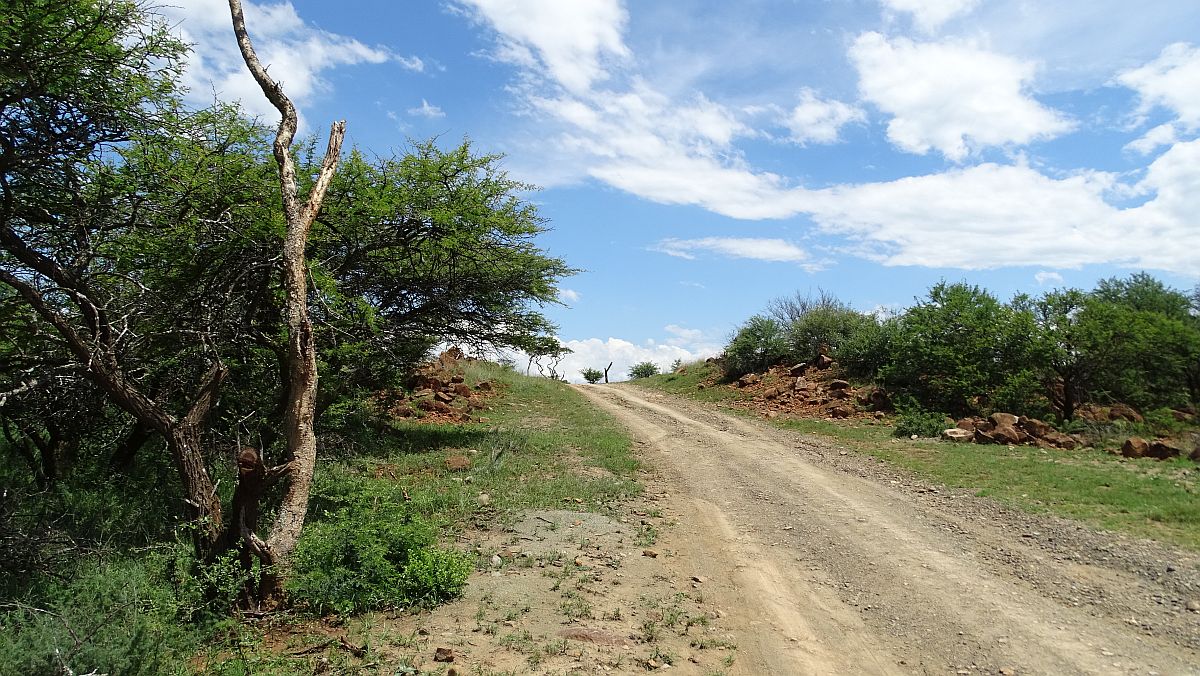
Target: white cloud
{"x":426,"y":110}
{"x":569,"y":295}
{"x":761,"y":249}
{"x":816,"y":121}
{"x":951,"y":97}
{"x":929,"y":15}
{"x":1045,"y":277}
{"x":1171,"y":81}
{"x":596,"y":353}
{"x":569,"y":41}
{"x":294,"y":52}
{"x":1162,"y":135}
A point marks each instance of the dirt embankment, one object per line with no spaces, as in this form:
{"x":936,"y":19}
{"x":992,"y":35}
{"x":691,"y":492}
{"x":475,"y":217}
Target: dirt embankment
{"x":823,"y":561}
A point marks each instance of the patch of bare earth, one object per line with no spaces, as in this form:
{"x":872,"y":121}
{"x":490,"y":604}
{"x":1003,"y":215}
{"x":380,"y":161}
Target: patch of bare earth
{"x":820,"y":560}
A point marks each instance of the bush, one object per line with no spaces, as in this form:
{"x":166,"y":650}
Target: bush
{"x":921,"y":423}
{"x":592,"y":375}
{"x":365,"y":559}
{"x":643,"y":370}
{"x":757,"y":345}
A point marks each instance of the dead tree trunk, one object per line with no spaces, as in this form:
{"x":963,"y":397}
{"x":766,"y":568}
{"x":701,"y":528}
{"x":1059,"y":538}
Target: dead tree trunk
{"x":606,"y":368}
{"x":301,"y":348}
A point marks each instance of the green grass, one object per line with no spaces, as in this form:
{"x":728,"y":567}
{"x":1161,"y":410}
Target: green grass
{"x":1148,"y":498}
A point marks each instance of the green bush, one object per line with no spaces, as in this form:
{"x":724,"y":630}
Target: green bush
{"x":363,"y":559}
{"x":118,"y":617}
{"x":643,"y":370}
{"x":757,"y":345}
{"x":921,"y":423}
{"x":592,"y":375}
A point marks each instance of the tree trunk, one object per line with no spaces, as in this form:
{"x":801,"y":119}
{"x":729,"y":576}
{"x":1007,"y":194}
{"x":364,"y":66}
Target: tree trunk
{"x":301,"y":348}
{"x":606,"y":368}
{"x":122,"y":458}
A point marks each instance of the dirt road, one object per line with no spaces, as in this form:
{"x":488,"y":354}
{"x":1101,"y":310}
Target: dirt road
{"x":829,"y":563}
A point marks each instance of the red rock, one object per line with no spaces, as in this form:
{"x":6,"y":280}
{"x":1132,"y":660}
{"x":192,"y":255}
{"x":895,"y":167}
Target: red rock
{"x":1163,"y":450}
{"x":958,"y":435}
{"x":484,"y":386}
{"x":838,"y":385}
{"x":443,"y":655}
{"x":1124,"y":412}
{"x":999,"y":419}
{"x":1135,"y":447}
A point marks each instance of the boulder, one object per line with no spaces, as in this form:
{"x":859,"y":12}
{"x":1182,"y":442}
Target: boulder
{"x":797,"y":370}
{"x":839,"y":412}
{"x":1180,"y":416}
{"x":822,"y":362}
{"x":484,"y":386}
{"x":967,"y":424}
{"x":1008,"y":434}
{"x":838,"y":385}
{"x":999,"y":419}
{"x":444,"y":397}
{"x":840,"y":394}
{"x":875,"y":399}
{"x":1035,"y":427}
{"x":958,"y":435}
{"x":1059,"y":440}
{"x":1163,"y":450}
{"x":457,"y":379}
{"x":772,"y":393}
{"x":1195,"y":454}
{"x":462,"y":390}
{"x":1124,"y":412}
{"x":1135,"y":447}
{"x":423,"y":393}
{"x":748,"y":379}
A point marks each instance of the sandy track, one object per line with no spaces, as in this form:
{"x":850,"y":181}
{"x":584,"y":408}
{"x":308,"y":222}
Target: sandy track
{"x":826,"y":572}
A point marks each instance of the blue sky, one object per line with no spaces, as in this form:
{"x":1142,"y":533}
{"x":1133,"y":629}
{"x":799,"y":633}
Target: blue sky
{"x":699,"y":158}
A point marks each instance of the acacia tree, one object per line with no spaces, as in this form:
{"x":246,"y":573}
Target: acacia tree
{"x":300,"y":412}
{"x":82,"y":77}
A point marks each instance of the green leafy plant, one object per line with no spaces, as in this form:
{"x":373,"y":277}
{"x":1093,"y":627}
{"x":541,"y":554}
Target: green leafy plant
{"x":643,"y":370}
{"x":592,"y":375}
{"x":760,"y":342}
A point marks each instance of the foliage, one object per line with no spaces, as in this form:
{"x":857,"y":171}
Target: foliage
{"x":958,"y":347}
{"x":592,"y":375}
{"x":821,"y":325}
{"x":920,"y":422}
{"x":643,"y":369}
{"x":758,"y":344}
{"x":362,"y":558}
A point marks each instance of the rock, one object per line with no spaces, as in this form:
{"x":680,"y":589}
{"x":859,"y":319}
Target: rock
{"x":457,"y":379}
{"x":1163,"y":450}
{"x":771,"y":415}
{"x":839,"y":412}
{"x":589,"y":635}
{"x":748,"y":379}
{"x":422,"y":393}
{"x":1195,"y":454}
{"x":462,"y":390}
{"x":1135,"y":447}
{"x":1059,"y":440}
{"x":772,"y":393}
{"x":1180,"y":416}
{"x":840,"y":394}
{"x":822,"y":362}
{"x":483,"y":499}
{"x":1036,"y":427}
{"x":443,"y":655}
{"x":485,"y":386}
{"x":700,"y":386}
{"x":1007,"y":434}
{"x":1194,"y":605}
{"x":444,"y":397}
{"x":967,"y":424}
{"x":958,"y":435}
{"x":474,"y":403}
{"x":797,"y":370}
{"x":650,"y":553}
{"x":875,"y":399}
{"x":497,"y":561}
{"x":1124,"y":412}
{"x":838,"y":385}
{"x":999,"y":419}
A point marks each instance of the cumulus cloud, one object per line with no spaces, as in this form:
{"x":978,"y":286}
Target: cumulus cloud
{"x":1171,"y":81}
{"x":929,"y":15}
{"x":294,"y":52}
{"x":596,"y":353}
{"x":568,"y":41}
{"x":1162,"y":135}
{"x":760,"y":249}
{"x":1045,"y":277}
{"x":569,"y":295}
{"x":814,"y":120}
{"x":426,"y":110}
{"x":951,"y":97}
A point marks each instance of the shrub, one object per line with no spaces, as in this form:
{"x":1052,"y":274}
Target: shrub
{"x":364,"y":559}
{"x":921,"y":423}
{"x":643,"y":370}
{"x":759,"y":343}
{"x":592,"y":375}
